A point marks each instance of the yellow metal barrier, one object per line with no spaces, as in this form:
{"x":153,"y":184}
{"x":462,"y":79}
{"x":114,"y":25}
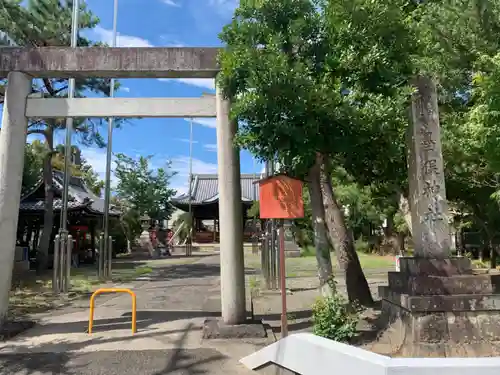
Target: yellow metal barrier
{"x":113,"y":290}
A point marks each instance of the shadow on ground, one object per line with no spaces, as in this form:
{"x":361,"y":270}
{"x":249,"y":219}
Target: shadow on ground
{"x":48,"y":359}
{"x":187,"y":271}
{"x":297,"y":321}
{"x":145,"y":319}
{"x":148,"y":318}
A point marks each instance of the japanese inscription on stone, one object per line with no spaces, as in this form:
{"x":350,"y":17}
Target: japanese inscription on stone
{"x":430,"y":172}
{"x":428,"y":206}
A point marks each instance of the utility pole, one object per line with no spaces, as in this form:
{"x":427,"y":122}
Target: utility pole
{"x":189,"y":245}
{"x":107,"y":256}
{"x":69,"y":126}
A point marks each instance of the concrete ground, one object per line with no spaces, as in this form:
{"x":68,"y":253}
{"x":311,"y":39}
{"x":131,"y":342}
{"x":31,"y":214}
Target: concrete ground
{"x":171,"y":308}
{"x":172,"y":304}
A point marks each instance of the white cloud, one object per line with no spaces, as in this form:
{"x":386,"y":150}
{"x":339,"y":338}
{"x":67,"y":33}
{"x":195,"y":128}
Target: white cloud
{"x":185,"y":140}
{"x":171,"y":41}
{"x":205,"y":83}
{"x":207,"y":122}
{"x":96,"y":157}
{"x":171,"y":3}
{"x":224,"y":6}
{"x":125,"y":88}
{"x":106,"y":36}
{"x":180,"y":165}
{"x":212,"y":147}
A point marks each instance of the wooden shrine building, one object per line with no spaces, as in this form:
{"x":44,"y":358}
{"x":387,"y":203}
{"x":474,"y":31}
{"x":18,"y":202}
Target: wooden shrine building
{"x":85,"y":214}
{"x":205,"y":205}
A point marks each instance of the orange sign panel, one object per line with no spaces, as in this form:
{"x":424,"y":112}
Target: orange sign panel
{"x":281,"y":198}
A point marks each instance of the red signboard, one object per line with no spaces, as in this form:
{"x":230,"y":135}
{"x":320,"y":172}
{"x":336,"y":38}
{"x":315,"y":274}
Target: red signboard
{"x":281,"y":198}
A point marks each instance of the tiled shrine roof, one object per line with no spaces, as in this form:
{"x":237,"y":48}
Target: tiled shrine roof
{"x":80,"y":196}
{"x":205,"y":189}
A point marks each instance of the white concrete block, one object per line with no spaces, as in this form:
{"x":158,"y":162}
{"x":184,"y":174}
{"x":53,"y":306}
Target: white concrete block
{"x":307,"y":354}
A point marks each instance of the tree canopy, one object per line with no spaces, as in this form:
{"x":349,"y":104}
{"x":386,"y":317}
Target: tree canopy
{"x":47,"y":23}
{"x":146,"y":190}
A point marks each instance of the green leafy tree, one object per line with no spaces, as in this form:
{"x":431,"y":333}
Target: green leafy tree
{"x":79,"y":168}
{"x":47,"y":23}
{"x":145,"y":190}
{"x":32,"y":167}
{"x":129,"y":223}
{"x":288,"y":69}
{"x":183,"y":226}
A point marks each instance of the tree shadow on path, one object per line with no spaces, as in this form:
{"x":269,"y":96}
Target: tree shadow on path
{"x":46,"y":359}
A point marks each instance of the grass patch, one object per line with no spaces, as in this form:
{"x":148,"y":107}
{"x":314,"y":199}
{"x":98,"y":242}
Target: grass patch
{"x":155,"y":263}
{"x":307,"y":266}
{"x":308,"y":251}
{"x":33,"y":294}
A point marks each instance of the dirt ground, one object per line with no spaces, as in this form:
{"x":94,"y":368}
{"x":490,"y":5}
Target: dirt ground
{"x":303,"y":292}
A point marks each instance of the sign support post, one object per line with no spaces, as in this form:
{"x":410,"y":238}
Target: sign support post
{"x":280,"y":197}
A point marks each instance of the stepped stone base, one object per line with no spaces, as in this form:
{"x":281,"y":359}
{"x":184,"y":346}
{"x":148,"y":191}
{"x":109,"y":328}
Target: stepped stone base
{"x":292,"y":253}
{"x":443,"y":309}
{"x":214,"y":328}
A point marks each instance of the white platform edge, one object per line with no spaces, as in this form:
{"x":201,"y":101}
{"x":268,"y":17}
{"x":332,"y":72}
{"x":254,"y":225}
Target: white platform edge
{"x":308,"y":354}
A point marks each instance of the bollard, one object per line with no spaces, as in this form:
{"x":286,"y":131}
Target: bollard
{"x":110,"y":258}
{"x":62,"y":260}
{"x":265,"y":261}
{"x":282,"y":280}
{"x":105,"y":246}
{"x":100,"y":261}
{"x":113,"y":290}
{"x":67,"y":268}
{"x":56,"y":287}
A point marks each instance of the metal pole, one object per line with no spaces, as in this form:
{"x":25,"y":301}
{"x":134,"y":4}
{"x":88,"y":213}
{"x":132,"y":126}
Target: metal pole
{"x":102,"y":255}
{"x":69,"y":124}
{"x":255,"y":242}
{"x":284,"y":322}
{"x":273,"y":257}
{"x":267,"y":244}
{"x":62,"y":261}
{"x":67,"y":267}
{"x":267,"y":250}
{"x":55,"y":267}
{"x":109,"y":148}
{"x":190,"y":242}
{"x":110,"y":258}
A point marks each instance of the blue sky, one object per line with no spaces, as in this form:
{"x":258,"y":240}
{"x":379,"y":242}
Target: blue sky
{"x":165,"y":23}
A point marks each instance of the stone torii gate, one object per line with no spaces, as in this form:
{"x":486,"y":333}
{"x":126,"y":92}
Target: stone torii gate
{"x":21,"y":65}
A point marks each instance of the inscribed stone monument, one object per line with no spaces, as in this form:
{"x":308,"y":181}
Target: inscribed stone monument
{"x":436,"y":302}
{"x":429,"y":209}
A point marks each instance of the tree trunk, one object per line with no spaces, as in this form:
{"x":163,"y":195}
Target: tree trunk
{"x":390,"y":242}
{"x":48,"y":217}
{"x":347,"y":258}
{"x":321,"y":242}
{"x":404,"y":207}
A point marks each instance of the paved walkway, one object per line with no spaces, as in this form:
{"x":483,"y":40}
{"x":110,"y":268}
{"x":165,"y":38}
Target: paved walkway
{"x":171,"y":306}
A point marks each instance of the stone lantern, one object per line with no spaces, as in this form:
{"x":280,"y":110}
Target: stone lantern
{"x":144,"y":239}
{"x":145,"y":222}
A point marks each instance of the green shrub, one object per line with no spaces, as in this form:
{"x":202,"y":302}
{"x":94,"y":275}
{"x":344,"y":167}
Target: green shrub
{"x":362,"y":246}
{"x":308,"y":251}
{"x":333,"y":318}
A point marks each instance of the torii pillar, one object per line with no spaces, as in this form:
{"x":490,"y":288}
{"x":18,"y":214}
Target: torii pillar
{"x":12,"y":145}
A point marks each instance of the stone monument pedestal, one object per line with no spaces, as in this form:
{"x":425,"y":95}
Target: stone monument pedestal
{"x":292,"y":250}
{"x":442,"y":309}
